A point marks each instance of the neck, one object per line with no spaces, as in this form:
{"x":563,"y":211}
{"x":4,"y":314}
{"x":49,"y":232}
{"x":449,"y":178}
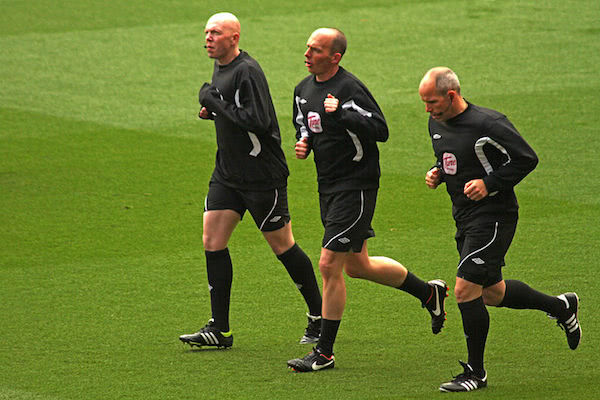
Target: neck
{"x":325,"y":76}
{"x":229,"y":57}
{"x":458,"y":107}
{"x":462,"y":105}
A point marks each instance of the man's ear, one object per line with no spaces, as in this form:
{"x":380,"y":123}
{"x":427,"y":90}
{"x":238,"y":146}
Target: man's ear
{"x":452,"y":94}
{"x":336,"y":58}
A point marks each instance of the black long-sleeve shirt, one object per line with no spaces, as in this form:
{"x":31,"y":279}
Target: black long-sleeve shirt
{"x":483,"y":144}
{"x":343,"y":142}
{"x":249,"y":154}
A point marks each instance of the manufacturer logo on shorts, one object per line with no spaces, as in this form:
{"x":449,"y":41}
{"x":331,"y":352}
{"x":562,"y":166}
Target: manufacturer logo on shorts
{"x":478,"y":261}
{"x":450,"y":164}
{"x":314,"y":122}
{"x":436,"y":136}
{"x":275,"y":219}
{"x":344,"y":240}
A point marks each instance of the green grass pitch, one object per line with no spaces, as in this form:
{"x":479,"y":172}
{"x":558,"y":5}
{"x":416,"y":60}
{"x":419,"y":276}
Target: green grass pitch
{"x":104,"y":168}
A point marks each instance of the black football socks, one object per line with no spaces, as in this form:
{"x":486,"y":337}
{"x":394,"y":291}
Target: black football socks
{"x":476,"y":324}
{"x":300,"y":269}
{"x":220,"y":275}
{"x":417,"y":287}
{"x":329,"y":329}
{"x":519,"y":295}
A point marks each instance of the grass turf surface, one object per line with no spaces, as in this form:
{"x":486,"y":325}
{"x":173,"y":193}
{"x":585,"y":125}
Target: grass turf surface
{"x":104,"y":168}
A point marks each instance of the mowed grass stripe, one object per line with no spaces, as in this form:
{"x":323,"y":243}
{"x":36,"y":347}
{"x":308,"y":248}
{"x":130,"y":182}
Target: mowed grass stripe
{"x":137,"y":78}
{"x":147,"y":76}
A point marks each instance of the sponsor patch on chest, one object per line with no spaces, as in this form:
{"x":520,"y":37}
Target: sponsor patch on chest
{"x":450,"y":165}
{"x":314,"y":122}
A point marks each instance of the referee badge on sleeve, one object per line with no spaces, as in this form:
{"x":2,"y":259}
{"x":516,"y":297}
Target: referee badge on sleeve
{"x":450,"y":164}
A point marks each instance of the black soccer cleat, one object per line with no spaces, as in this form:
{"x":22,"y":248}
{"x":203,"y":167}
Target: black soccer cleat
{"x":312,"y":331}
{"x":436,"y":304}
{"x":569,"y":322}
{"x":465,"y":382}
{"x":314,"y":361}
{"x":209,"y":336}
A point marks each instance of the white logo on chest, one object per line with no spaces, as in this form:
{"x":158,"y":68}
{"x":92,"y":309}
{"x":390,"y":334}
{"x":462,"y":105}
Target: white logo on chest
{"x":314,"y":122}
{"x":450,"y":164}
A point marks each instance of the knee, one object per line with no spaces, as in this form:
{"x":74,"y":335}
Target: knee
{"x":461,"y":294}
{"x":206,"y":242}
{"x":330,"y":271}
{"x":213,"y":243}
{"x":326,"y":269}
{"x":280,"y":240}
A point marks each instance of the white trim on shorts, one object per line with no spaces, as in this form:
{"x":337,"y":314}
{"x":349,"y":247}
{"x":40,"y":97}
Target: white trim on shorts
{"x":362,"y":208}
{"x":270,"y":212}
{"x":481,"y":249}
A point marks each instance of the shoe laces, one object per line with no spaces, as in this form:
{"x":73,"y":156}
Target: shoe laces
{"x":467,"y":374}
{"x":314,"y":352}
{"x":209,"y":325}
{"x":314,"y":324}
{"x":463,"y":375}
{"x":317,"y":352}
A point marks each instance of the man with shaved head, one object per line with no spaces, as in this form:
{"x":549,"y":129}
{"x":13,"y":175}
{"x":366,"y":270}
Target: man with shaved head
{"x":337,"y":118}
{"x":481,"y":157}
{"x":250,"y":174}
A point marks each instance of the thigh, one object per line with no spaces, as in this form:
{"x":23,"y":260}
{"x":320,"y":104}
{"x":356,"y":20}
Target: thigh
{"x":357,"y":261}
{"x":280,"y":240}
{"x":347,"y":218}
{"x":217,"y":227}
{"x":221,"y":197}
{"x":482,"y":247}
{"x":268,"y":208}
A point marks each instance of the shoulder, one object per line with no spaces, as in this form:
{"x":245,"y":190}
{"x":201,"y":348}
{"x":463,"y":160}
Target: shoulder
{"x":248,"y":64}
{"x":351,"y":86}
{"x":346,"y":79}
{"x":350,"y":77}
{"x":492,"y":122}
{"x":485,"y":113}
{"x":304,"y":83}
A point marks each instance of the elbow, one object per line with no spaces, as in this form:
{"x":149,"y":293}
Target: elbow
{"x":534,"y":161}
{"x":383,"y":135}
{"x":255,"y":124}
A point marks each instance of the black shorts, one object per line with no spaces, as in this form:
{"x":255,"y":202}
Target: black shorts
{"x":347,"y":218}
{"x":482,"y":246}
{"x":269,"y":208}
